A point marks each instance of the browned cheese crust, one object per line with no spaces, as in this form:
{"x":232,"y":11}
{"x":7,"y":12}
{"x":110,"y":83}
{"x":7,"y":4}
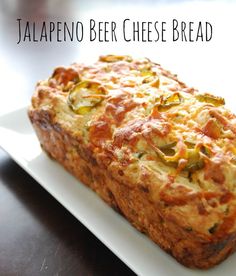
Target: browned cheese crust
{"x":159,"y":152}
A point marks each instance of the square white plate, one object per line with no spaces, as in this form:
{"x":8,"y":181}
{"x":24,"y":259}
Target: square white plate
{"x":133,"y":248}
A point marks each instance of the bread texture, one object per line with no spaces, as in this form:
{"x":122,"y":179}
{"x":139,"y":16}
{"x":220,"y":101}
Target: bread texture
{"x":159,"y":152}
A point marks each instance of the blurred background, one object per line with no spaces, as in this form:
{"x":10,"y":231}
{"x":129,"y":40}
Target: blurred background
{"x":206,"y":65}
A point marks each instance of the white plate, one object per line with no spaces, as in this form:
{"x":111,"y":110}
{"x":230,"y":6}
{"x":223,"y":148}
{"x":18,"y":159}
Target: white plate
{"x":133,"y":248}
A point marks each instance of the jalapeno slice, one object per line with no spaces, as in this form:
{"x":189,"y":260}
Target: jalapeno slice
{"x":86,"y":95}
{"x":208,"y":98}
{"x":166,"y":102}
{"x":114,"y":58}
{"x":169,"y":156}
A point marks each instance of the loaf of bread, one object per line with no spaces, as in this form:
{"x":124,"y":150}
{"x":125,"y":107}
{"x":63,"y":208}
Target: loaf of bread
{"x":159,"y":152}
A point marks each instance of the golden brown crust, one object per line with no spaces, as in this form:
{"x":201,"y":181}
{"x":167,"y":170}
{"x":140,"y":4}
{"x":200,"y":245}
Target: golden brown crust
{"x":120,"y":140}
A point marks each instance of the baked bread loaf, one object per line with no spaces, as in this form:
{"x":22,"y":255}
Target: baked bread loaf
{"x":159,"y":152}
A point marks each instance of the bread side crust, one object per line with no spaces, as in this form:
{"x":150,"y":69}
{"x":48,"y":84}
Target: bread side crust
{"x":188,"y":247}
